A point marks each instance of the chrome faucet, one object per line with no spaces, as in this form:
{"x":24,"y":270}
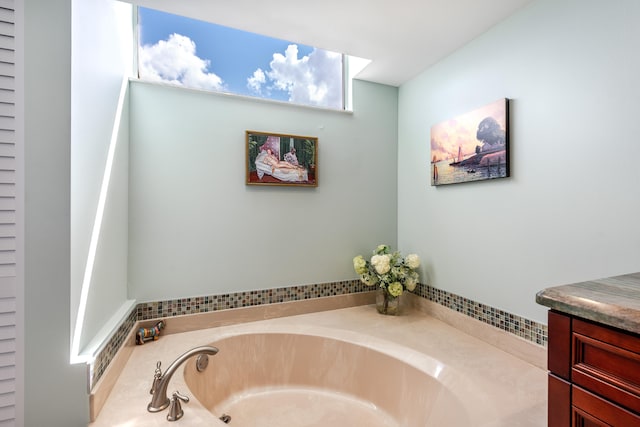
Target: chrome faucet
{"x":159,"y":399}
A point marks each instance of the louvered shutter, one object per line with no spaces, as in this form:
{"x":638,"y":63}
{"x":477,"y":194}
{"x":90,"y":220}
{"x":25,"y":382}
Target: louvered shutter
{"x":7,"y":215}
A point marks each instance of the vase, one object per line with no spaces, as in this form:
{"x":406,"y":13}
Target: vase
{"x":387,"y":304}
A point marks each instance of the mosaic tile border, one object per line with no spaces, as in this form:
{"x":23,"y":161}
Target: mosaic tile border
{"x":106,"y":355}
{"x":514,"y":324}
{"x":519,"y":326}
{"x":179,"y":307}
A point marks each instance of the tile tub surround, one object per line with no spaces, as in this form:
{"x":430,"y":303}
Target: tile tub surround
{"x":205,"y":304}
{"x":515,"y":345}
{"x":112,"y":347}
{"x":512,"y":323}
{"x":513,"y":392}
{"x":305,"y":299}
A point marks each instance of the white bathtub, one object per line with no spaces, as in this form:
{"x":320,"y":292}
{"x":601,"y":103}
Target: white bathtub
{"x":411,"y":370}
{"x":337,"y":379}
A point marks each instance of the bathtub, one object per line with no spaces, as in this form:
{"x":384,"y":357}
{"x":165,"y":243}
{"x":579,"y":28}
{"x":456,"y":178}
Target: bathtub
{"x":411,"y":370}
{"x":328,"y":378}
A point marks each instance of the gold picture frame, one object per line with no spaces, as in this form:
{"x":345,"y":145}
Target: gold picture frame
{"x":281,"y":159}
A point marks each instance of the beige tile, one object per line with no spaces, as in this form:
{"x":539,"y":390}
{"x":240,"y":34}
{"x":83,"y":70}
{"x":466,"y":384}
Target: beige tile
{"x":477,"y":383}
{"x":519,"y":347}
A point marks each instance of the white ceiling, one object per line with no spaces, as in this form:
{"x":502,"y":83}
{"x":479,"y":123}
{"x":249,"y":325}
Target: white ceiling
{"x":401,"y":37}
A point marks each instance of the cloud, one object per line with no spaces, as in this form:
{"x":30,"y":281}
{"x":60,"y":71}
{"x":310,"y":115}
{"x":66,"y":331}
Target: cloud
{"x":175,"y":61}
{"x":256,"y":81}
{"x":315,"y":79}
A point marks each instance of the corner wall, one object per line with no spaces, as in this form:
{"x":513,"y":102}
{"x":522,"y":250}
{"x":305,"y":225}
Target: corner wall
{"x":102,"y":35}
{"x":195,"y":228}
{"x":570,"y":210}
{"x":52,"y":392}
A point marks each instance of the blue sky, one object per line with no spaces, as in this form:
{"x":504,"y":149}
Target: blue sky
{"x":194,"y":53}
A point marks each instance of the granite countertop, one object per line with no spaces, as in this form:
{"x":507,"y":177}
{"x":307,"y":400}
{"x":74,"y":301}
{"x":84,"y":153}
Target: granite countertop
{"x":613,"y":301}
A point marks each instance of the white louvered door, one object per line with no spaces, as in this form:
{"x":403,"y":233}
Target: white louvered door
{"x":7,"y":215}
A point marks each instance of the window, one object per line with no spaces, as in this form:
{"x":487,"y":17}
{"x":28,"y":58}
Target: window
{"x":201,"y":55}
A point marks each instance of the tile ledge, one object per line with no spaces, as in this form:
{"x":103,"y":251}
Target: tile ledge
{"x":521,"y":348}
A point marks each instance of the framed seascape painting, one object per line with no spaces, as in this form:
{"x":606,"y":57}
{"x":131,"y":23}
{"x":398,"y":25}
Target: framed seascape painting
{"x":471,"y":147}
{"x":281,"y":159}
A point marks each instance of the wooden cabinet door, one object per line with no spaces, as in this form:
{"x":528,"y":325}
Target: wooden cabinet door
{"x":607,"y":362}
{"x":559,"y":409}
{"x":582,"y":419}
{"x":590,"y":410}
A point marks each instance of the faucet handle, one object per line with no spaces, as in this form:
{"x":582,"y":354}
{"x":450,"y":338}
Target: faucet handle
{"x":178,"y":395}
{"x":175,"y":408}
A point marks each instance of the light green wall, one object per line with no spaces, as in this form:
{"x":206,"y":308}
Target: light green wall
{"x":101,"y":60}
{"x":570,"y":210}
{"x":52,"y":392}
{"x":195,"y":228}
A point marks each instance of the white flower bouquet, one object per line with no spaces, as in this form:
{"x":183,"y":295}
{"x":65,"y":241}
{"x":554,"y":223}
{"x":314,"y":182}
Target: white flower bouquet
{"x":388,"y":270}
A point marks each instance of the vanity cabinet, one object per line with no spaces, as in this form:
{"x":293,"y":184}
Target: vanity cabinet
{"x":594,"y":373}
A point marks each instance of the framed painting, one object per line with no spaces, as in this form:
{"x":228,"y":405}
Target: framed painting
{"x":281,"y":159}
{"x":472,"y":147}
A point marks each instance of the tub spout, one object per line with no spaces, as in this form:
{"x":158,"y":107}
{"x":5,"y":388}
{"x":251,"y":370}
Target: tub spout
{"x":159,"y":399}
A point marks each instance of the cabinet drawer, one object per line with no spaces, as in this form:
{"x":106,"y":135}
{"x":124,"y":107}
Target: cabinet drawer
{"x":607,"y":362}
{"x":590,"y":410}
